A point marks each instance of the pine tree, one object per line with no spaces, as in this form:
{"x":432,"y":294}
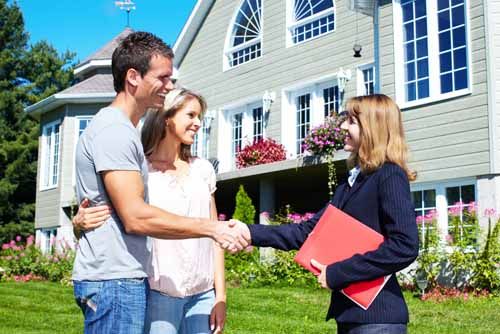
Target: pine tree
{"x":27,"y":75}
{"x":244,"y":210}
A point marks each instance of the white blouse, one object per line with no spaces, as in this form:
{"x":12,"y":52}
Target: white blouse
{"x":185,"y":267}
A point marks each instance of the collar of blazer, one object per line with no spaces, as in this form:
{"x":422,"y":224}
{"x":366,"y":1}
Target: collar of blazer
{"x":350,"y":191}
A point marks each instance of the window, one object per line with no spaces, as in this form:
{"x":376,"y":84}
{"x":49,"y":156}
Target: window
{"x":331,"y":100}
{"x":306,"y":108}
{"x":240,"y":126}
{"x":431,"y":50}
{"x":200,"y":145}
{"x":310,"y":19}
{"x":258,"y":124}
{"x":366,"y":80}
{"x":47,"y":239}
{"x":50,"y":155}
{"x":442,"y":202}
{"x":83,"y":122}
{"x":245,"y":38}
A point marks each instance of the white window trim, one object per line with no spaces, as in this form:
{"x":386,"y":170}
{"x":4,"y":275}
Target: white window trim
{"x":200,"y":151}
{"x":288,"y":108}
{"x":43,"y":155}
{"x":441,"y":202}
{"x":225,"y":135}
{"x":360,"y":80}
{"x":433,"y":56}
{"x":291,"y":23}
{"x":228,"y":49}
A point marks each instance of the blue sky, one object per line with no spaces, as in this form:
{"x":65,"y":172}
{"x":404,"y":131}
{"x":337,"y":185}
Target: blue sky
{"x":83,"y":26}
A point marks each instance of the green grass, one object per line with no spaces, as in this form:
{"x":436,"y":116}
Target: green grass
{"x":50,"y":308}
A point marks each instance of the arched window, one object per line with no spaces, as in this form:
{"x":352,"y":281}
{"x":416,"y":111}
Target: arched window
{"x":245,"y":37}
{"x":311,"y":18}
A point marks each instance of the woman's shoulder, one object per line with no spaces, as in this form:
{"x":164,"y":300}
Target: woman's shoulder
{"x":203,"y":165}
{"x":389,"y":169}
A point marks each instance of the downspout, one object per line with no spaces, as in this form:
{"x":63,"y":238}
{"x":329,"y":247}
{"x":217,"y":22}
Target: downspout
{"x":376,"y":51}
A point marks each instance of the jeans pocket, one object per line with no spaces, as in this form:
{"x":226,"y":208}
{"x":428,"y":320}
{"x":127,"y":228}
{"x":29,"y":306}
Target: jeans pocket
{"x":87,"y":295}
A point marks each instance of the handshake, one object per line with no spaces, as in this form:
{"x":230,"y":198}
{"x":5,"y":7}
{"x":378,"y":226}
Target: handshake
{"x":232,"y":235}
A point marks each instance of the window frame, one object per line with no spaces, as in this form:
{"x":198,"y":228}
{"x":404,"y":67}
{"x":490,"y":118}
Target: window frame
{"x":435,"y":94}
{"x":288,"y":115}
{"x":360,"y":79}
{"x":441,"y":200}
{"x":201,"y":144}
{"x":77,"y":137}
{"x":229,"y":49}
{"x":47,"y":180}
{"x":291,"y":24}
{"x":225,"y":132}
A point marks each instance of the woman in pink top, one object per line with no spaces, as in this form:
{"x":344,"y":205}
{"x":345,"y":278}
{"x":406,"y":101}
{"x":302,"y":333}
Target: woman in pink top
{"x":186,"y":277}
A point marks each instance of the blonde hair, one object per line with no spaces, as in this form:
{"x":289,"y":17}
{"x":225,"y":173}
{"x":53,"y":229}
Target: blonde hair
{"x":382,"y":137}
{"x":154,"y":127}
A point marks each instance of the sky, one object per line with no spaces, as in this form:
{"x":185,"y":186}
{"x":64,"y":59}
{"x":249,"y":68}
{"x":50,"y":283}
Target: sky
{"x":84,"y":26}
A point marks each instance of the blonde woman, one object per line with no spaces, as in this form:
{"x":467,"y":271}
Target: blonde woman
{"x":186,"y":277}
{"x":377,"y":193}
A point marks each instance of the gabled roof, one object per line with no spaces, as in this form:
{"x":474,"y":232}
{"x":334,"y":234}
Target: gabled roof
{"x":102,"y":57}
{"x":97,"y":88}
{"x":190,"y":29}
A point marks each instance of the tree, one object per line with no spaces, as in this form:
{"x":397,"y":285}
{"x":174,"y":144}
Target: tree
{"x":244,"y":210}
{"x":27,"y":75}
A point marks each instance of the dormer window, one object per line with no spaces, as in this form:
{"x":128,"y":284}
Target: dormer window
{"x":244,"y":41}
{"x":310,"y":19}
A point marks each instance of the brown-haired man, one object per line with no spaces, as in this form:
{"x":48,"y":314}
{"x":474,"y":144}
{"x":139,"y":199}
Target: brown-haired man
{"x":109,"y":273}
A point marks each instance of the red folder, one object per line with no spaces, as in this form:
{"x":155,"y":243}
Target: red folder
{"x":336,"y":237}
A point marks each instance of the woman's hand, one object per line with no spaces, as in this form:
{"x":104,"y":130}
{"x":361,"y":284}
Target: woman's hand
{"x":90,"y":218}
{"x":218,"y":316}
{"x":322,"y":275}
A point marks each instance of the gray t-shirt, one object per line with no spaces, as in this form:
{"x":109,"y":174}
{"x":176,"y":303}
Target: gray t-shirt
{"x":110,"y":142}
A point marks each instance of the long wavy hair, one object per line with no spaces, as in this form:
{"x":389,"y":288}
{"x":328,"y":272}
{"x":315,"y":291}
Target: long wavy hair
{"x":382,"y":137}
{"x":154,"y":127}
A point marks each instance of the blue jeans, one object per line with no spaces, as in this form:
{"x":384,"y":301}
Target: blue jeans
{"x":112,"y":306}
{"x":352,"y":328}
{"x":172,"y":315}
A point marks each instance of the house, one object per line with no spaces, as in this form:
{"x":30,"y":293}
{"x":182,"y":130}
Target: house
{"x":275,"y":68}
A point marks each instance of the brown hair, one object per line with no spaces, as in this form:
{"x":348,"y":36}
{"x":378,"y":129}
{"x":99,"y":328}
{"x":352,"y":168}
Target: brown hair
{"x":154,"y":129}
{"x":382,"y":137}
{"x":135,"y":51}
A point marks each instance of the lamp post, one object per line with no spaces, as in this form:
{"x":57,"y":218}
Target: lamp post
{"x":209,"y":118}
{"x":422,"y":281}
{"x":342,"y":77}
{"x":126,"y":5}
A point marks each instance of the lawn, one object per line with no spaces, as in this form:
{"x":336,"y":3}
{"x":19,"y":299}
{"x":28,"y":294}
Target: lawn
{"x":49,"y":308}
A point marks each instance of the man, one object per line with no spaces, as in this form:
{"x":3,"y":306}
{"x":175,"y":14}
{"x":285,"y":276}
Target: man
{"x":109,"y":272}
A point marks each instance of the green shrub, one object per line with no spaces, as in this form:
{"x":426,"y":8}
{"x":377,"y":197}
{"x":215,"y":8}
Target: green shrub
{"x":244,"y":210}
{"x":245,"y":269}
{"x":487,"y":267}
{"x":11,"y":230}
{"x":24,"y":262}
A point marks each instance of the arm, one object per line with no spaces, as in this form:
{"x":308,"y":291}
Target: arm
{"x":284,"y":237}
{"x":399,"y":249}
{"x":143,"y":219}
{"x":218,"y":314}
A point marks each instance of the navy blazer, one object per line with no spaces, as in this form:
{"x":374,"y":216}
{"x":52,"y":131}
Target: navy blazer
{"x":382,"y":201}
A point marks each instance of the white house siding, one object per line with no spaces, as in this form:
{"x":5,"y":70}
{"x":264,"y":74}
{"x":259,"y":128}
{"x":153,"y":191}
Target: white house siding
{"x":278,"y":68}
{"x":47,"y":212}
{"x":448,"y":139}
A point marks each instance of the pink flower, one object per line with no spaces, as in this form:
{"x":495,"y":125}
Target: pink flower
{"x":449,"y":238}
{"x":490,"y":212}
{"x":454,"y":211}
{"x":5,"y":246}
{"x":472,"y":208}
{"x":420,"y":219}
{"x":221,"y":217}
{"x":265,"y":214}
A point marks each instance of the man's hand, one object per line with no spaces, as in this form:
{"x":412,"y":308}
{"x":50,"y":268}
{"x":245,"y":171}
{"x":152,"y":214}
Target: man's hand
{"x":232,"y":236}
{"x":90,"y":218}
{"x":322,"y":276}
